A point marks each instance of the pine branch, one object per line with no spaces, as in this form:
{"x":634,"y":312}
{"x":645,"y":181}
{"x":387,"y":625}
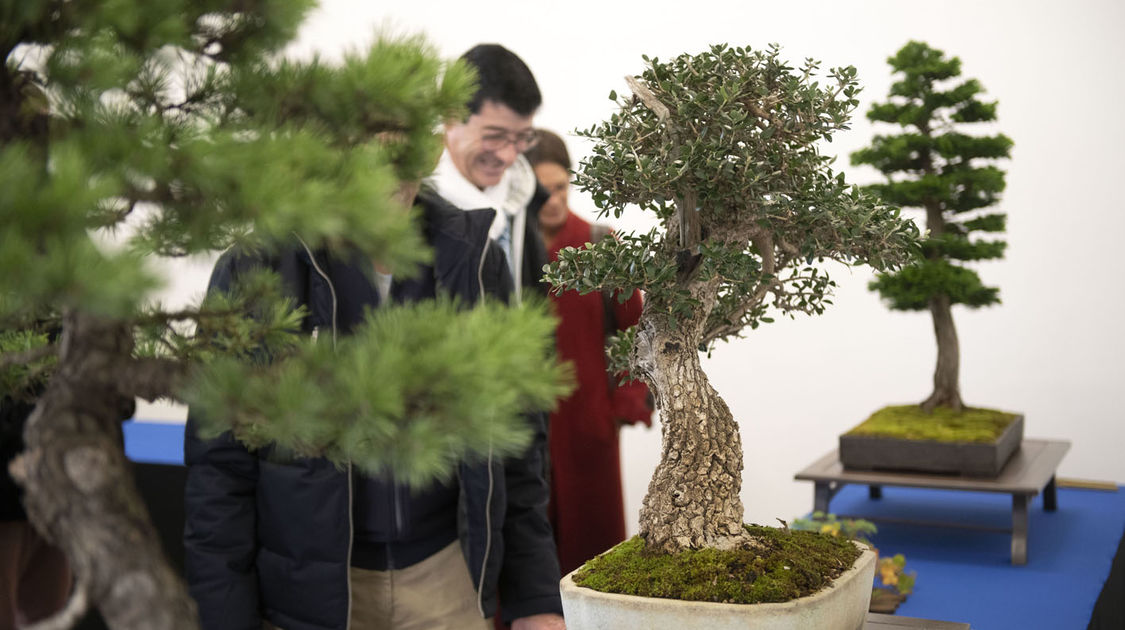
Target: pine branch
{"x":151,"y":378}
{"x":196,"y":315}
{"x":27,"y":356}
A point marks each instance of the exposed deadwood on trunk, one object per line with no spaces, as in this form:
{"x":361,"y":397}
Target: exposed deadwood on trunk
{"x":691,"y":231}
{"x":647,"y":97}
{"x":687,"y":210}
{"x":80,"y":491}
{"x":947,"y":392}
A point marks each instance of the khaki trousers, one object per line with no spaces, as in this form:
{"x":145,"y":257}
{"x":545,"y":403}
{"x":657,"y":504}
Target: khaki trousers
{"x":435,"y":594}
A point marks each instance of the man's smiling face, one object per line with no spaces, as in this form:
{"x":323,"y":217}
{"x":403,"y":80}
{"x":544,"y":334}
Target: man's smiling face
{"x":486,"y":144}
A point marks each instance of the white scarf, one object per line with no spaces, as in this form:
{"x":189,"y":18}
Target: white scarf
{"x":509,"y":198}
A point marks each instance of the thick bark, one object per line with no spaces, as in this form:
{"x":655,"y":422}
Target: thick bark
{"x":693,"y":499}
{"x":80,"y":491}
{"x":947,"y":392}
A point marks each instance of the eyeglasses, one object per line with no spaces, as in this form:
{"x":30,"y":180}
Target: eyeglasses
{"x":496,"y":140}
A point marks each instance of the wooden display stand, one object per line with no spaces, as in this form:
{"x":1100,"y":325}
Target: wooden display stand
{"x":890,"y":622}
{"x":1030,"y":471}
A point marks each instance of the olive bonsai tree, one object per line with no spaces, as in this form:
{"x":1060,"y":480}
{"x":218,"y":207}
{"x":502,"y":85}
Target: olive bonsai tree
{"x":723,"y":147}
{"x":935,"y":166}
{"x":174,"y":125}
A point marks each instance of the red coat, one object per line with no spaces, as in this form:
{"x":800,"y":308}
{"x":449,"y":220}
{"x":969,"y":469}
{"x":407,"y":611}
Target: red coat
{"x":587,"y":506}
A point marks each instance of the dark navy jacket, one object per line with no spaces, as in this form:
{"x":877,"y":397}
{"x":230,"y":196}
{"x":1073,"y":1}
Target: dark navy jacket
{"x":268,"y":540}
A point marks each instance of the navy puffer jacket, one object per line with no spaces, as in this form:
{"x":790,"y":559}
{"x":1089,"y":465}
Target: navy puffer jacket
{"x":268,"y":540}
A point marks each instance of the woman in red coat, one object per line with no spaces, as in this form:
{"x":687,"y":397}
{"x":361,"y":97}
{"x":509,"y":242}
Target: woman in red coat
{"x":587,"y":505}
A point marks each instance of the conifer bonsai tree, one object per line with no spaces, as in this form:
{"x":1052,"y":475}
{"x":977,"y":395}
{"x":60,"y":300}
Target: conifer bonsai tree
{"x":177,"y":118}
{"x":723,"y":147}
{"x":936,"y":166}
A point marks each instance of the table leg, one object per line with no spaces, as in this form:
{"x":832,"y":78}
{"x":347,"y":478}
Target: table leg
{"x":822,"y":494}
{"x":874,"y":492}
{"x":1050,"y":496}
{"x":1019,"y":529}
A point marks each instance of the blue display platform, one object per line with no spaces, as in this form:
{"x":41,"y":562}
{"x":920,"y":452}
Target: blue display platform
{"x":154,"y":442}
{"x":963,"y":575}
{"x":967,"y":576}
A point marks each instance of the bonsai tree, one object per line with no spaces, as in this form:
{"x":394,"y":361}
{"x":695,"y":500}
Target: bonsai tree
{"x":723,"y":147}
{"x":171,"y":124}
{"x":935,"y":166}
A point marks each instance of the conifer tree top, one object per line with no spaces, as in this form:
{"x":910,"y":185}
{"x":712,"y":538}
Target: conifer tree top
{"x":935,"y":164}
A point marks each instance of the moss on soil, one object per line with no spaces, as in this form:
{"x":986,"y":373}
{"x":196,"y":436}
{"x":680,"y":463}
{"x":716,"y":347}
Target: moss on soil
{"x":909,"y":422}
{"x":789,"y":565}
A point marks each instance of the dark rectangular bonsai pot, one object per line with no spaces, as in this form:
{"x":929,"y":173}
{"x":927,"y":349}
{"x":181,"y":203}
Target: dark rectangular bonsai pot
{"x":927,"y":456}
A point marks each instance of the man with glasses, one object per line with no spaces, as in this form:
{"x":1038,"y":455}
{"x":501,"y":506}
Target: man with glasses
{"x":483,"y":167}
{"x":483,"y":164}
{"x":299,"y":544}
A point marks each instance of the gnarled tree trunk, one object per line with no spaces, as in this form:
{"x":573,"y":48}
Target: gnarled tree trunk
{"x":80,"y":491}
{"x":693,"y":498}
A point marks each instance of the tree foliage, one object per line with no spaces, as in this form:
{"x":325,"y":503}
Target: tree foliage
{"x":936,"y":166}
{"x":723,"y":147}
{"x":418,"y":389}
{"x":181,"y":119}
{"x":132,"y":130}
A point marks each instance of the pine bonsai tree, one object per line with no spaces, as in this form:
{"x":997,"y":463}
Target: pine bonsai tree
{"x":935,"y":166}
{"x":723,"y":147}
{"x":178,"y":118}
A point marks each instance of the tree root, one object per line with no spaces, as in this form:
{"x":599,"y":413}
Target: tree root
{"x":942,"y":399}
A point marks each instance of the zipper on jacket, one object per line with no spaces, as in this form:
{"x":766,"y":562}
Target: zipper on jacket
{"x":488,"y":500}
{"x":487,"y":538}
{"x":397,"y":498}
{"x":351,"y":539}
{"x":351,"y":489}
{"x":331,"y":287}
{"x":480,"y":273}
{"x":397,"y":524}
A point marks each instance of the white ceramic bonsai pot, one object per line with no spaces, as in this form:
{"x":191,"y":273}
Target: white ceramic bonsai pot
{"x":840,"y":606}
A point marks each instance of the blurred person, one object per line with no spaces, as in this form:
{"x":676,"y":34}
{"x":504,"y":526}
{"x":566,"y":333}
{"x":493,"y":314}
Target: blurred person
{"x":587,"y":504}
{"x":483,"y":164}
{"x":304,"y":544}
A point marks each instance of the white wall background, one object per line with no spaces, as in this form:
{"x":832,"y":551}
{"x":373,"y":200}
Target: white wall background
{"x":1053,"y":350}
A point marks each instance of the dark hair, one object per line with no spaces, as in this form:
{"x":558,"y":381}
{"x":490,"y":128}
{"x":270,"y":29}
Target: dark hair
{"x":504,"y":78}
{"x":550,"y":148}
